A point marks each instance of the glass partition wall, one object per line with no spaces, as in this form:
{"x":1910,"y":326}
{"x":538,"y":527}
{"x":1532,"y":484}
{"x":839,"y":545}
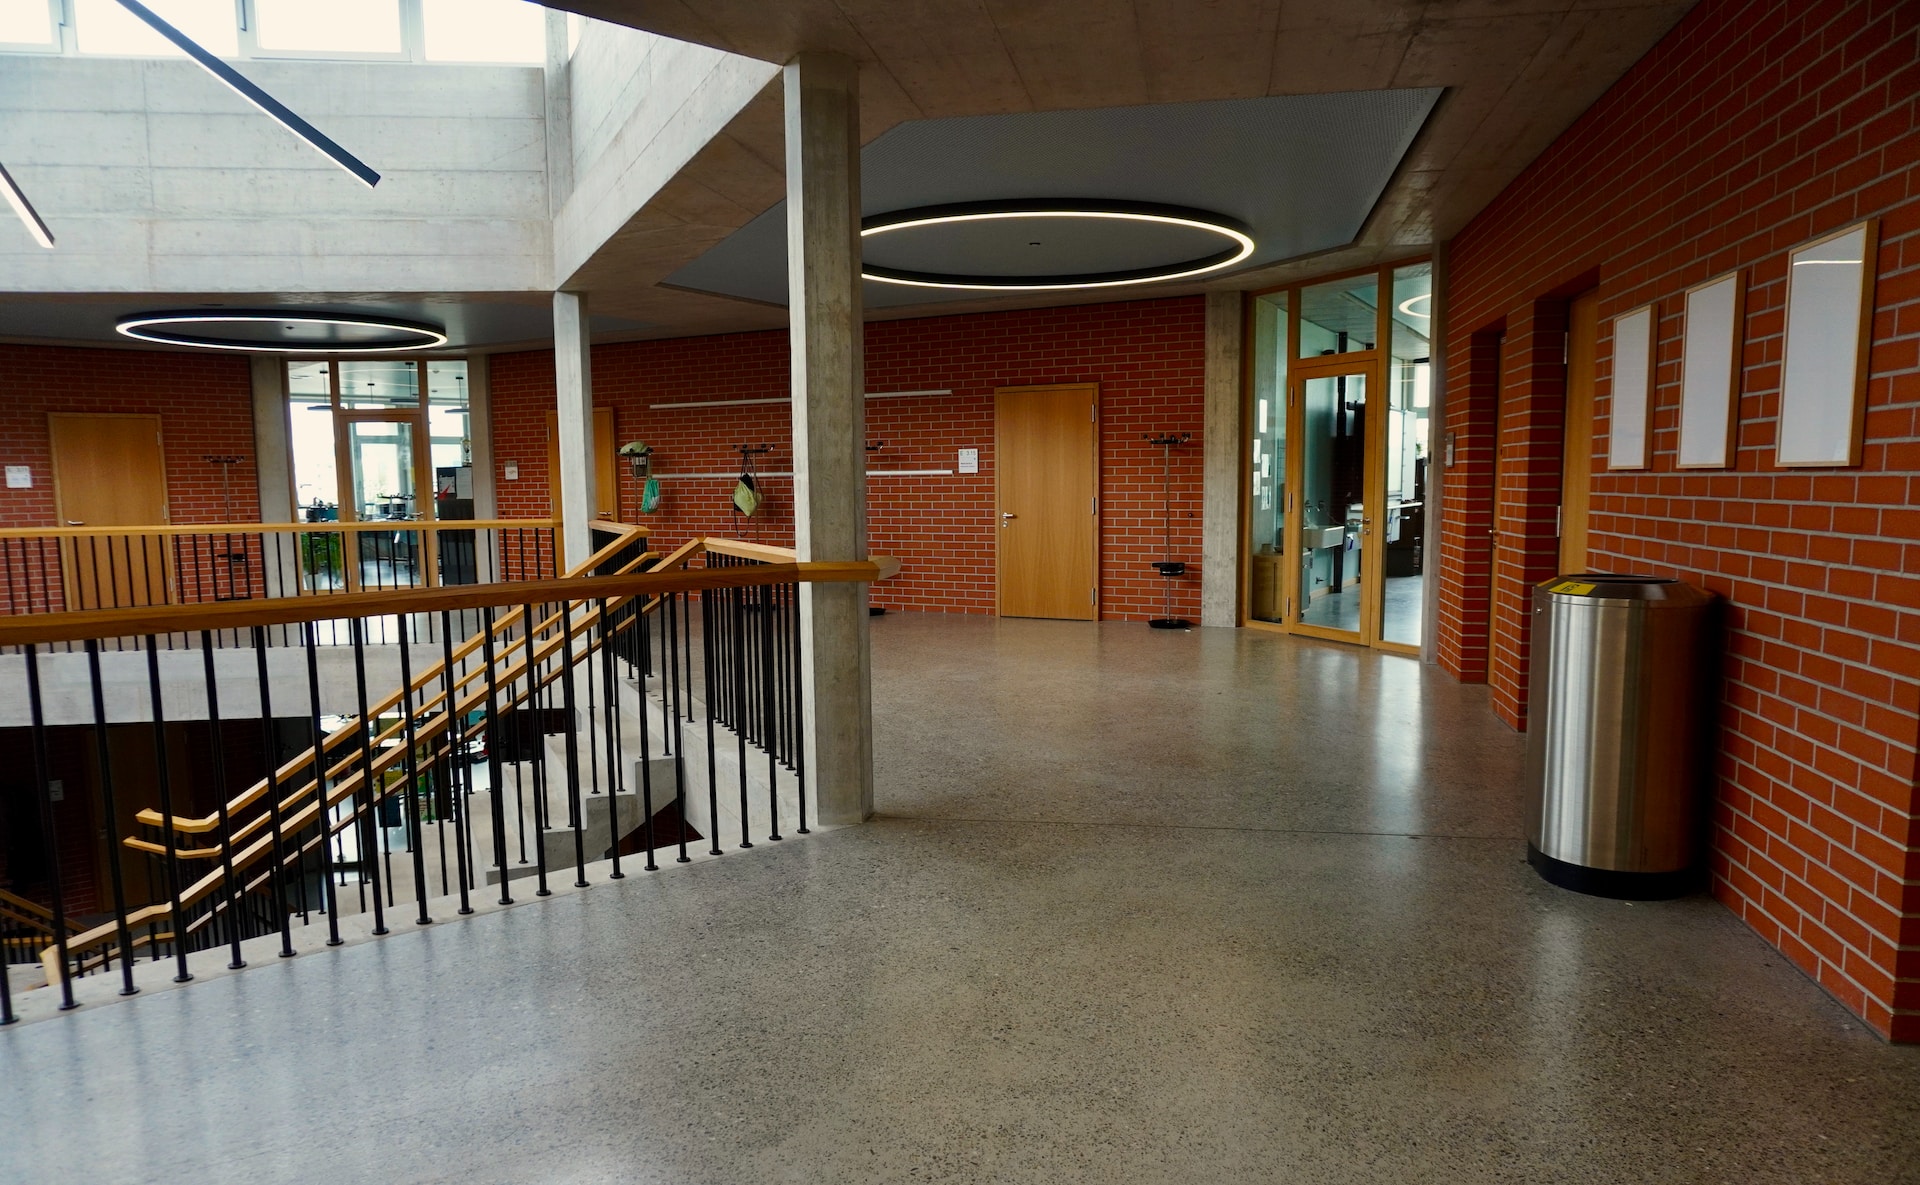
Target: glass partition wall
{"x":1338,"y":400}
{"x":382,"y":441}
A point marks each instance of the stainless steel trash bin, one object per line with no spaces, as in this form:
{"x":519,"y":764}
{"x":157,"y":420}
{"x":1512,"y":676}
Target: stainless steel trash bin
{"x":1618,"y":708}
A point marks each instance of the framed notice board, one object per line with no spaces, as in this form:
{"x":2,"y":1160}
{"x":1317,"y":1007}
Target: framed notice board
{"x":1823,"y":379}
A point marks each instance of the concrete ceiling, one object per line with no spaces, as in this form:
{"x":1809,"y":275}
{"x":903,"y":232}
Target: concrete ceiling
{"x":1300,"y":173}
{"x":1516,"y":73}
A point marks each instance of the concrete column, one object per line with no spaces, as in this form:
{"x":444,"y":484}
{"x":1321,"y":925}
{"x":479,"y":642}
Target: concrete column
{"x":272,"y":445}
{"x":273,"y":470}
{"x":1221,"y":537}
{"x":573,"y":382}
{"x":829,"y":420}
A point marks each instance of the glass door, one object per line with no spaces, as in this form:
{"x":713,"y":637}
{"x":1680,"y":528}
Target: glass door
{"x":383,"y":465}
{"x":1338,"y":443}
{"x":1334,"y":552}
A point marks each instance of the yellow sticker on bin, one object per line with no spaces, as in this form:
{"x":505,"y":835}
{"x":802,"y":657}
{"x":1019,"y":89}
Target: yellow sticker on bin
{"x":1573,"y":588}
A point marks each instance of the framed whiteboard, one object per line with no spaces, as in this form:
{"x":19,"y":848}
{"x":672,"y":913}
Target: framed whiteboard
{"x":1632,"y":383}
{"x":1710,"y":372}
{"x":1823,"y":381}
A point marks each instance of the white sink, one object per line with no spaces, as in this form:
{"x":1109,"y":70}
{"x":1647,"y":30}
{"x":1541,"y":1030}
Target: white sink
{"x":1314,"y":538}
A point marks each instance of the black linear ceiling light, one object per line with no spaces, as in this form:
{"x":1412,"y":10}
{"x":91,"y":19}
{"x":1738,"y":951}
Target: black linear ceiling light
{"x":24,"y":208}
{"x":274,"y":108}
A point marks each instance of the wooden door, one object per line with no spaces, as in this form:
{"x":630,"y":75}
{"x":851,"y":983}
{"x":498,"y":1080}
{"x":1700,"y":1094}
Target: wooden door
{"x":1576,"y":457}
{"x":109,"y":471}
{"x":605,"y":464}
{"x":1047,"y":484}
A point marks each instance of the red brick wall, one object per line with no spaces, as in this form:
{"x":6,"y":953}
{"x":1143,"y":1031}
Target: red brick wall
{"x":1147,"y":356}
{"x":1753,"y":126}
{"x":205,"y":405}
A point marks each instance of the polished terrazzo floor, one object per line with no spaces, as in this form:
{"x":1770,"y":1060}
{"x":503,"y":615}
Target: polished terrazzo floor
{"x":1214,"y":906}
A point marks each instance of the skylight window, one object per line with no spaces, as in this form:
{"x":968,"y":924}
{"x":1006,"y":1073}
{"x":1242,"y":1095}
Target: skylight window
{"x":337,"y":26}
{"x":28,"y":23}
{"x":485,"y":31}
{"x":104,"y":27}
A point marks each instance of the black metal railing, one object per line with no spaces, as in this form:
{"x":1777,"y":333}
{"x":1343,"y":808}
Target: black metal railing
{"x":74,"y":569}
{"x":585,"y":722}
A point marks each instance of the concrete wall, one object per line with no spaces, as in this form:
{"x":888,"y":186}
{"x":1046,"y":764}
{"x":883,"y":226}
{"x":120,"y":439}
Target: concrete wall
{"x":156,"y":178}
{"x":641,"y":106}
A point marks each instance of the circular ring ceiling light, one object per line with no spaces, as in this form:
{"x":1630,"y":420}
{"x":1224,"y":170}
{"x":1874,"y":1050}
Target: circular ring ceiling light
{"x":1087,"y":218}
{"x":268,"y":331}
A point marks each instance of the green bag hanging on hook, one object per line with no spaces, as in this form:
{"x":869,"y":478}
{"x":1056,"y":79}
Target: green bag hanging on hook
{"x":650,"y":496}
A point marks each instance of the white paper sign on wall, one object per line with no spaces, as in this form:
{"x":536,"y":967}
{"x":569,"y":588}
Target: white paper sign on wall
{"x":512,"y":471}
{"x":969,"y":460}
{"x":19,"y":477}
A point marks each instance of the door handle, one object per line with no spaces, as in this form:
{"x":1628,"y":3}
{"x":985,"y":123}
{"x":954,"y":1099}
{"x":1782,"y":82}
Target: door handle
{"x":74,"y":522}
{"x":1006,"y":516}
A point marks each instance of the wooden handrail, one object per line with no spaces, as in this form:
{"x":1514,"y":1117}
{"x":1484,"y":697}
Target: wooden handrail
{"x":595,"y":596}
{"x":30,"y":914}
{"x":299,"y":809}
{"x":752,"y":551}
{"x":883,"y":567}
{"x":398,"y":524}
{"x":425,"y":683}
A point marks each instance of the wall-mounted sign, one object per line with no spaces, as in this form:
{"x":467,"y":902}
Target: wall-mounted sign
{"x":19,"y":477}
{"x":969,"y":460}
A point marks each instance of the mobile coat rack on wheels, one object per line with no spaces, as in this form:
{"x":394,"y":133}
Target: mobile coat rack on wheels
{"x":1169,"y":568}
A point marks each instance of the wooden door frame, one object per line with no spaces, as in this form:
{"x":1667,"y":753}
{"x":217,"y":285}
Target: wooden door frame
{"x":999,"y":455}
{"x":1338,"y":366}
{"x":1373,"y":365}
{"x":1576,"y":456}
{"x":67,"y":569}
{"x":613,"y":466}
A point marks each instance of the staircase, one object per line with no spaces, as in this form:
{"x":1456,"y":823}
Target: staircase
{"x":610,"y":650}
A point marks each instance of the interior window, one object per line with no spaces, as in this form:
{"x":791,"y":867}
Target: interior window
{"x":28,"y":23}
{"x":338,"y":26}
{"x":104,"y":27}
{"x":485,"y":31}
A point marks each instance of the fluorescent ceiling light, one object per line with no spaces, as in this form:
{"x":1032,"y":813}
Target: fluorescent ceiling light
{"x":177,"y":329}
{"x":29,"y":217}
{"x":1240,"y":244}
{"x":1406,"y":306}
{"x":271,"y":106}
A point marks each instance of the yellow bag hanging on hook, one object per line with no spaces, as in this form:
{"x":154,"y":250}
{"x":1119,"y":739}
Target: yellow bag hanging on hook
{"x":746,"y":495}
